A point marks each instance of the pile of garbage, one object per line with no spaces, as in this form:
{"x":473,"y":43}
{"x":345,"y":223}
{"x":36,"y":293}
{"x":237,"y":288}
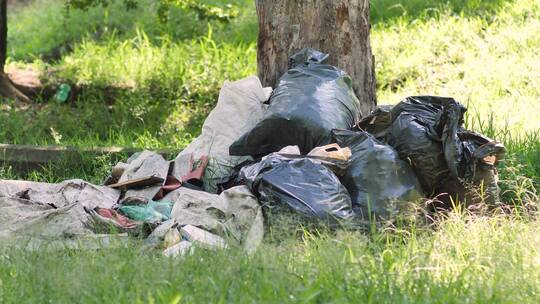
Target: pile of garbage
{"x":304,"y":147}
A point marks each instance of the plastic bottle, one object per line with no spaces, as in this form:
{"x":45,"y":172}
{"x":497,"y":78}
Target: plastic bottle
{"x":62,"y":94}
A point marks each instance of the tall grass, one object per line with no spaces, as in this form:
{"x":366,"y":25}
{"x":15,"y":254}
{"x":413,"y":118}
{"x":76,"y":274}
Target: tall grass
{"x":385,"y":11}
{"x":147,"y":87}
{"x":46,"y":29}
{"x":467,"y":259}
{"x":489,"y":65}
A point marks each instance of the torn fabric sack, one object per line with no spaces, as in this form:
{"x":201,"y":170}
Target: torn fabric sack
{"x":234,"y":215}
{"x":61,"y":194}
{"x":51,"y":210}
{"x":240,"y":107}
{"x":310,"y":100}
{"x":143,"y":165}
{"x":24,"y":218}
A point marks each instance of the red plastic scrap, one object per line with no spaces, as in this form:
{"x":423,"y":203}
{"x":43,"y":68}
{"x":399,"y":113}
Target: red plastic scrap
{"x":198,"y":173}
{"x":117,"y":217}
{"x":172,"y":183}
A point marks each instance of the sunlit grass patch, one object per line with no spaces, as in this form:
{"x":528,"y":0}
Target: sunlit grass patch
{"x":488,"y":65}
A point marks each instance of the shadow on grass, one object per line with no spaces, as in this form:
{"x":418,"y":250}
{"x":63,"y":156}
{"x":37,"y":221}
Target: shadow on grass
{"x":99,"y":117}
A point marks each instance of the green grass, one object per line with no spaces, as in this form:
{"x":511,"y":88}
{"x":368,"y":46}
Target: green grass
{"x":466,"y":259}
{"x":135,"y":93}
{"x":146,"y":84}
{"x":384,"y":11}
{"x":64,"y":30}
{"x":487,"y":64}
{"x":150,"y":86}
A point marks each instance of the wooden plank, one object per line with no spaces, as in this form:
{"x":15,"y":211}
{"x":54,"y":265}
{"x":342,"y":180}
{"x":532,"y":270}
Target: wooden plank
{"x":23,"y":158}
{"x":138,"y":182}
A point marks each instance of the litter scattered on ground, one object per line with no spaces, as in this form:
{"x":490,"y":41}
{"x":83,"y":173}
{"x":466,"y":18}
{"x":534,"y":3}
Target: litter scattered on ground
{"x":180,"y":249}
{"x":172,"y":237}
{"x":234,"y":214}
{"x":202,"y":238}
{"x":112,"y":217}
{"x":62,"y":94}
{"x":304,"y":147}
{"x":138,"y":173}
{"x":147,"y":211}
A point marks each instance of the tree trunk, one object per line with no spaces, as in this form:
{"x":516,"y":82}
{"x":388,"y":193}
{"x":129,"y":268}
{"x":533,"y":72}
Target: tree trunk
{"x":7,"y":89}
{"x":3,"y":34}
{"x":337,"y":27}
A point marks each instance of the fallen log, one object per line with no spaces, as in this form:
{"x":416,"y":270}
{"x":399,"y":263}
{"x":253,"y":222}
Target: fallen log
{"x":25,"y":158}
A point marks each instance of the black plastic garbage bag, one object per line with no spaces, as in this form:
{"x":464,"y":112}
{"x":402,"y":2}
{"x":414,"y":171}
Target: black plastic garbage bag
{"x":303,"y":184}
{"x":467,"y":152}
{"x":428,"y":131}
{"x":474,"y":158}
{"x":378,"y":181}
{"x":377,"y":122}
{"x":310,"y":100}
{"x":416,"y":134}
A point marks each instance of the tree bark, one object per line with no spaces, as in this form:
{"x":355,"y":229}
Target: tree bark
{"x":7,"y":89}
{"x":337,"y":27}
{"x":3,"y":34}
